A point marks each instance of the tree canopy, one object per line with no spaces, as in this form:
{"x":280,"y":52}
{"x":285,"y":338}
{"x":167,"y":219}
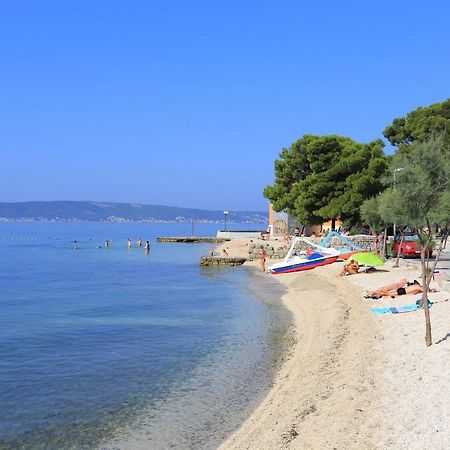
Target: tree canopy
{"x":423,"y":182}
{"x":371,"y":215}
{"x":420,"y":125}
{"x":324,"y":177}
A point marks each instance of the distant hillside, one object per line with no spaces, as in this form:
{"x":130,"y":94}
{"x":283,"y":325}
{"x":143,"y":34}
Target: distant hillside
{"x":118,"y":212}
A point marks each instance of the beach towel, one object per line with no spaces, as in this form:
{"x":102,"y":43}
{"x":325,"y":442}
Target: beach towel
{"x":399,"y":309}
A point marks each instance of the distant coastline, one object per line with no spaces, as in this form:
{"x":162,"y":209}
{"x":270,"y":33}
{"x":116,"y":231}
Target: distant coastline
{"x":122,"y":220}
{"x":92,"y":211}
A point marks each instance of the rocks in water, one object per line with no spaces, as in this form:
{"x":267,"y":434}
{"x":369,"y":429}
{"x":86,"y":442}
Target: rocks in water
{"x":272,"y":252}
{"x":191,"y":239}
{"x":221,"y":261}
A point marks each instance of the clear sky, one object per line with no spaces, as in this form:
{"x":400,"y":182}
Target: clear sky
{"x":188,"y":103}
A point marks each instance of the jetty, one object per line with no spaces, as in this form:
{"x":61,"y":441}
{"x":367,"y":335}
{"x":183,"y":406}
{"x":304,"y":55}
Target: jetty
{"x":192,"y":239}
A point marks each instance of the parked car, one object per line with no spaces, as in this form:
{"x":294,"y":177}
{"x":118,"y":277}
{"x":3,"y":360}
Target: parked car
{"x":410,"y":246}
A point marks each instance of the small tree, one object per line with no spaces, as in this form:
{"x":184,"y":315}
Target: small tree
{"x":441,"y":217}
{"x":421,"y":188}
{"x":371,"y":216}
{"x":390,"y":215}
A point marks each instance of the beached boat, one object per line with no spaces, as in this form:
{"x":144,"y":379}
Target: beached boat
{"x":294,"y":262}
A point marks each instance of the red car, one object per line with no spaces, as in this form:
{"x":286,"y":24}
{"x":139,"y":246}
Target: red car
{"x":410,"y":246}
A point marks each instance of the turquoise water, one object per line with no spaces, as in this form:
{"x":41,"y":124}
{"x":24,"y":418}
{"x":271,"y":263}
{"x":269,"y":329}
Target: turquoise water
{"x":97,"y":343}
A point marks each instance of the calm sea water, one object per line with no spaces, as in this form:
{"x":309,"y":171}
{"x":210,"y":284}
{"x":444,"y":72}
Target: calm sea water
{"x":112,"y":345}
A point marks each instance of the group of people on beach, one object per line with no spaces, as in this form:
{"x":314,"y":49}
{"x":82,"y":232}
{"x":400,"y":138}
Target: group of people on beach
{"x":401,"y":287}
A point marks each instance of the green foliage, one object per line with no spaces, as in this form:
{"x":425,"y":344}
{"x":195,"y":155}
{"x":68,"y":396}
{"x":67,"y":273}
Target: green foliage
{"x":289,"y":169}
{"x":324,"y":177}
{"x":421,"y":186}
{"x":370,"y":214}
{"x":389,"y":213}
{"x":440,"y":215}
{"x":420,"y":125}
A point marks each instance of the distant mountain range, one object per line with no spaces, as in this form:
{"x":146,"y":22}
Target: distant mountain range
{"x":120,"y":212}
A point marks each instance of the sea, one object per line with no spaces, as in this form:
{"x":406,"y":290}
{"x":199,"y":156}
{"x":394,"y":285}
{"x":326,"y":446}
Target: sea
{"x":108,"y":347}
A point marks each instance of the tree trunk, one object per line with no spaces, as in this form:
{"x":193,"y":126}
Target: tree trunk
{"x":383,"y":250}
{"x":424,"y":300}
{"x":375,"y":243}
{"x":437,"y":256}
{"x":398,"y":252}
{"x":445,"y":235}
{"x":428,"y":340}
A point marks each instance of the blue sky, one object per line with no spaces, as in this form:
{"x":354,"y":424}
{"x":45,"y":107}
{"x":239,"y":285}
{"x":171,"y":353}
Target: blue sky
{"x":188,"y":103}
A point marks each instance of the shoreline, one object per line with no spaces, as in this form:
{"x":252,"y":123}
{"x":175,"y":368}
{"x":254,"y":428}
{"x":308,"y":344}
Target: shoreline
{"x":303,"y":396}
{"x":340,"y":382}
{"x":251,"y":380}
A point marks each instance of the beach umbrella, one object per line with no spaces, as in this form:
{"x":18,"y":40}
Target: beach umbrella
{"x":368,"y":259}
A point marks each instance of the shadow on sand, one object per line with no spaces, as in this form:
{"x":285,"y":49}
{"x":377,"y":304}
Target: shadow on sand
{"x":443,"y":339}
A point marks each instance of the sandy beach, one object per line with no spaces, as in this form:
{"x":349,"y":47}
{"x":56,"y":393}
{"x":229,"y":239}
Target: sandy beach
{"x":353,"y":379}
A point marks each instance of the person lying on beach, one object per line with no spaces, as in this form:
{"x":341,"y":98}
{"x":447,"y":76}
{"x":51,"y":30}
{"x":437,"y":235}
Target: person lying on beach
{"x":415,"y":289}
{"x":410,"y":288}
{"x":383,"y":290}
{"x":350,"y":268}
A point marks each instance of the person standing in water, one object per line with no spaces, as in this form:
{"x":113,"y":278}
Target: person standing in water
{"x":129,"y":243}
{"x":147,"y":246}
{"x":139,"y":243}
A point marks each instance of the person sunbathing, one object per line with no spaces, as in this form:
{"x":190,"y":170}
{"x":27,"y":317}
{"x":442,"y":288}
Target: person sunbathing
{"x":350,"y":268}
{"x":413,"y":289}
{"x":384,"y":289}
{"x":395,"y":290}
